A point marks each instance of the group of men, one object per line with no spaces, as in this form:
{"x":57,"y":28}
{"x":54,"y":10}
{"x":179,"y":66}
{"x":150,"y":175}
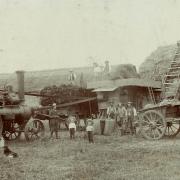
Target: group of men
{"x":124,"y":115}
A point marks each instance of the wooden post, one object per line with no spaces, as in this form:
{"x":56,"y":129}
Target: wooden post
{"x":90,"y":111}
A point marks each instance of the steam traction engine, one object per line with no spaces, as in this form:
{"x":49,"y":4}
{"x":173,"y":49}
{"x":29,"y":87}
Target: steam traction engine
{"x":15,"y":117}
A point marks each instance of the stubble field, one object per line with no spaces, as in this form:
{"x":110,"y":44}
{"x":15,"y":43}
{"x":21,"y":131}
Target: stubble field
{"x":110,"y":158}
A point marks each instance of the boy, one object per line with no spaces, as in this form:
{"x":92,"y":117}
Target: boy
{"x":90,"y":130}
{"x":72,"y":127}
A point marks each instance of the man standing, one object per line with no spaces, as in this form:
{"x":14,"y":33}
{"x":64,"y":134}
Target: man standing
{"x":131,"y":113}
{"x":107,"y":69}
{"x":97,"y":71}
{"x":121,"y":114}
{"x":54,"y":121}
{"x":72,"y":77}
{"x":111,"y":110}
{"x":7,"y":151}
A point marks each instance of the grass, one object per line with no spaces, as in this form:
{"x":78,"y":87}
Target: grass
{"x":110,"y":158}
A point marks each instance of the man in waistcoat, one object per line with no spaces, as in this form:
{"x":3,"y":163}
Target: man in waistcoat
{"x":111,"y":110}
{"x":121,"y":114}
{"x":131,"y":113}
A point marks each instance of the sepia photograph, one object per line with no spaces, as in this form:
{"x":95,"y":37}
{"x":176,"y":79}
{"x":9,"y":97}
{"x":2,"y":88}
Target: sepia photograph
{"x":89,"y":89}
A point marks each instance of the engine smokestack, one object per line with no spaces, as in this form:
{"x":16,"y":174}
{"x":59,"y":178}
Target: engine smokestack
{"x":20,"y":82}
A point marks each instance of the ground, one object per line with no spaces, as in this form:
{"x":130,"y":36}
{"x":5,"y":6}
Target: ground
{"x":110,"y":158}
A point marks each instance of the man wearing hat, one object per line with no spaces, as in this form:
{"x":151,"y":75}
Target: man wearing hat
{"x":131,"y":113}
{"x":54,"y":121}
{"x":111,"y":110}
{"x":121,"y":114}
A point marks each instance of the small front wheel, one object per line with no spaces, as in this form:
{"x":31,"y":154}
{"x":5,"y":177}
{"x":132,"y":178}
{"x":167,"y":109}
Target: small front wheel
{"x":34,"y":129}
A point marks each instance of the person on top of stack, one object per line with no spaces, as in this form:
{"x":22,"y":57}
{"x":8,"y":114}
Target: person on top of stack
{"x":72,"y":77}
{"x":54,"y":121}
{"x":121,"y":114}
{"x":90,"y":129}
{"x":111,"y":110}
{"x":72,"y":127}
{"x":107,"y":69}
{"x":131,"y":114}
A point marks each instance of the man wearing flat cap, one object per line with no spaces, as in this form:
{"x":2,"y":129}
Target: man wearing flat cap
{"x":131,"y":113}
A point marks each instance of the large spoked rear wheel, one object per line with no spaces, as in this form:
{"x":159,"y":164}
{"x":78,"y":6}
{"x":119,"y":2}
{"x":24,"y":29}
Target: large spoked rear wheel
{"x":34,"y":129}
{"x":173,"y":127}
{"x":153,"y":125}
{"x":11,"y":130}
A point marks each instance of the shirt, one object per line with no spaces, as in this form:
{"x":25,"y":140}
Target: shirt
{"x":89,"y":128}
{"x":53,"y":113}
{"x":81,"y":123}
{"x":111,"y":109}
{"x":72,"y":125}
{"x":131,"y":111}
{"x":121,"y":111}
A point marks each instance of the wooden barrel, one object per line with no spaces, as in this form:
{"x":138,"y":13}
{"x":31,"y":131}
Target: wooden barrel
{"x":109,"y":126}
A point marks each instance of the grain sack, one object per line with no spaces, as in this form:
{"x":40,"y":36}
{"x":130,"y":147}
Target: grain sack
{"x":109,"y":126}
{"x":97,"y":127}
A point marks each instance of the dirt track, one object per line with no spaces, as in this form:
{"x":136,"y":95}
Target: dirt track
{"x":111,"y":157}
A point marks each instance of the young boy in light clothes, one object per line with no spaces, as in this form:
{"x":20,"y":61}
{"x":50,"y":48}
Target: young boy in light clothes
{"x":90,"y":129}
{"x":72,"y":127}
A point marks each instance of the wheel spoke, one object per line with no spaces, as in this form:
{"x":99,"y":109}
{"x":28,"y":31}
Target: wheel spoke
{"x":153,"y":133}
{"x":146,"y":128}
{"x":171,"y":129}
{"x":174,"y":127}
{"x":157,"y":130}
{"x":168,"y":130}
{"x":147,"y":122}
{"x":148,"y":118}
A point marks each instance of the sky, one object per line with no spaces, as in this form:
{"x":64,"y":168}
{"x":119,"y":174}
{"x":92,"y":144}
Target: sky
{"x":52,"y":34}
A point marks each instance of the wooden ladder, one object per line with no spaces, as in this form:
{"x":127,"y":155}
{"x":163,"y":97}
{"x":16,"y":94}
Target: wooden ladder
{"x":171,"y":81}
{"x":151,"y":93}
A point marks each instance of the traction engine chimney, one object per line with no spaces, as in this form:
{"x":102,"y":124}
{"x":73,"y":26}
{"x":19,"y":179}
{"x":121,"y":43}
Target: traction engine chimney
{"x":20,"y":82}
